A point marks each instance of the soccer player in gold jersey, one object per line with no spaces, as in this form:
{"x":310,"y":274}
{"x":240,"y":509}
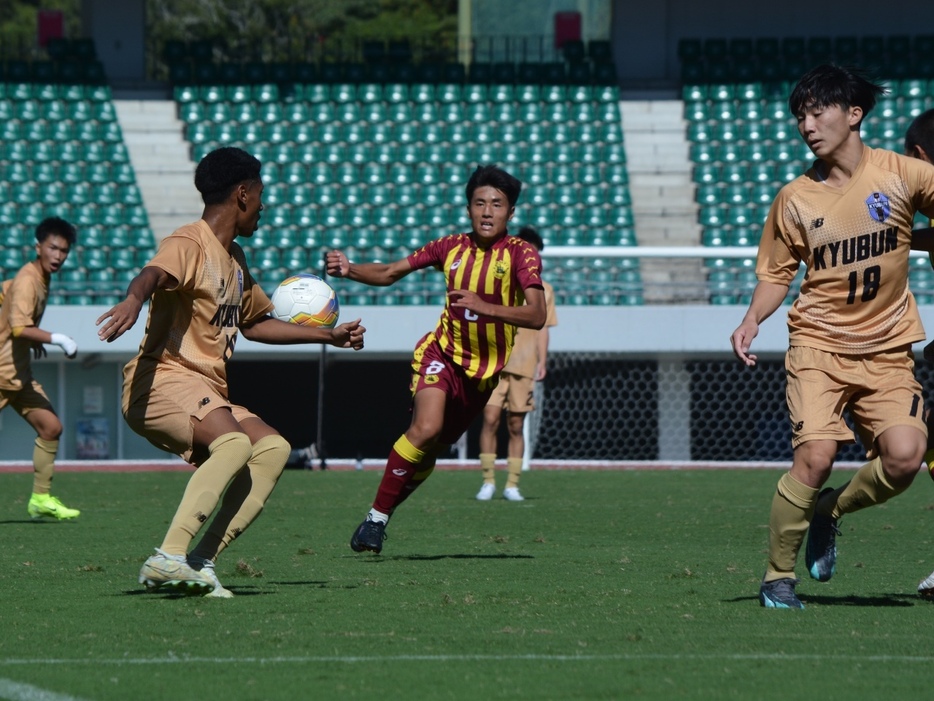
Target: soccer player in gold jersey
{"x":493,"y":286}
{"x":23,"y":303}
{"x":201,"y":297}
{"x":849,"y":219}
{"x":516,"y":394}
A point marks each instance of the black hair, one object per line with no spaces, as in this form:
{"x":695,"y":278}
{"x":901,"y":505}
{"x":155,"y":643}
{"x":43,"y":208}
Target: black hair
{"x":495,"y":177}
{"x":829,"y":84}
{"x":222,"y":170}
{"x":528,"y":233}
{"x":921,"y":133}
{"x":56,"y":226}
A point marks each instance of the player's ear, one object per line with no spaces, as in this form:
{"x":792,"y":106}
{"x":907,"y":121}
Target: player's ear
{"x":920,"y":153}
{"x":512,"y":213}
{"x":855,"y":115}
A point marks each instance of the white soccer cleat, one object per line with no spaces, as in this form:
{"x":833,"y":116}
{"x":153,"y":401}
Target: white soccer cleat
{"x":206,"y":568}
{"x":486,"y":491}
{"x":173,"y":571}
{"x":512,"y":494}
{"x":926,"y":588}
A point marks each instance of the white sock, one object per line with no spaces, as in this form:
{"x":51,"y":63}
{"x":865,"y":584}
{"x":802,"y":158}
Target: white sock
{"x":378,"y":516}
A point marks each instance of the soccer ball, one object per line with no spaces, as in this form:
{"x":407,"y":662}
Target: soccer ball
{"x":306,"y":299}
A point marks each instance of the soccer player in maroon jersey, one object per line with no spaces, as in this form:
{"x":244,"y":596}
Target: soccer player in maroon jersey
{"x":493,"y":286}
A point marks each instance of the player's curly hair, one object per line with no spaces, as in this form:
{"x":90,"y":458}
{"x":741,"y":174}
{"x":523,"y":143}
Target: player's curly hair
{"x":829,"y":84}
{"x":921,"y":133}
{"x":495,"y":177}
{"x":222,"y":170}
{"x":56,"y":226}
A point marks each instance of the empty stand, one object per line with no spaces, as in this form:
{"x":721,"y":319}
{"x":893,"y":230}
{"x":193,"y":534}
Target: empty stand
{"x":379,"y":169}
{"x":62,"y":154}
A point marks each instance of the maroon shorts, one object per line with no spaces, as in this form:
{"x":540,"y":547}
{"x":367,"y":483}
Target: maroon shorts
{"x":466,"y":397}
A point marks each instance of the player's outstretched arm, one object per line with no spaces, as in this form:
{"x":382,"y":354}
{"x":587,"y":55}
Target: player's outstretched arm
{"x":278,"y":332}
{"x":375,"y":274}
{"x":121,"y":317}
{"x":531,"y":315}
{"x":38,"y":337}
{"x":766,"y":298}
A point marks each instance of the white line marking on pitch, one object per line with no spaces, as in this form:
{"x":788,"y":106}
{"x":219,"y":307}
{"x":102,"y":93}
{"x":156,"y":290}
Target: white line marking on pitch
{"x":14,"y":691}
{"x":352,"y":659}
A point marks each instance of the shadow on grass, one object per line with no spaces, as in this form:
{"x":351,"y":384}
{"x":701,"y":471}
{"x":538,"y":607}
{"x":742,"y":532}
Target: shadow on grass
{"x":169,"y":594}
{"x":460,"y":557}
{"x":38,"y":521}
{"x":879,"y":601}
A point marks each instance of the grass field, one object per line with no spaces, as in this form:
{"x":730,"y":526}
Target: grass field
{"x":602,"y":585}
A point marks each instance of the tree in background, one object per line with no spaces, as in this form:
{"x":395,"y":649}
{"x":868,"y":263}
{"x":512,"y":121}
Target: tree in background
{"x":290,"y":30}
{"x":19,"y":23}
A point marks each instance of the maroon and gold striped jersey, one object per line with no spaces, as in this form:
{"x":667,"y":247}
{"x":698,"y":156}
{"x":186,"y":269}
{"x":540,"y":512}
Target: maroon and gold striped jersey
{"x":498,"y":274}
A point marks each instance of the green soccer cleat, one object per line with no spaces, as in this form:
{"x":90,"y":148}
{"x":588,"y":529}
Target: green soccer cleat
{"x":206,"y":567}
{"x":780,"y":594}
{"x":46,"y":505}
{"x":174,"y":572}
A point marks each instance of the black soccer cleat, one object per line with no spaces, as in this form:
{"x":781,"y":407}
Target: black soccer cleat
{"x":820,"y":554}
{"x":368,"y":536}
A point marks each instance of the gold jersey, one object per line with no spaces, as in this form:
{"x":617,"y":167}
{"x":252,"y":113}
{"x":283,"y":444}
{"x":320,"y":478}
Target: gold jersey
{"x":24,"y":301}
{"x":855,"y":242}
{"x":193,"y":327}
{"x":524,"y":356}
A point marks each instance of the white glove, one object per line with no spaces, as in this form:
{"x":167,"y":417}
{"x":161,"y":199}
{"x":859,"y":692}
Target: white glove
{"x":66,"y":343}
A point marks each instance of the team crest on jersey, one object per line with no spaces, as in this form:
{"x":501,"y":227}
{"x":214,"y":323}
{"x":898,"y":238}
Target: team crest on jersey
{"x":879,"y":207}
{"x":500,"y":269}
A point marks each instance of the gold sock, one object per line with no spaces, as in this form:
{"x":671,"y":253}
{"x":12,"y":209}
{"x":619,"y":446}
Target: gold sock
{"x":43,"y":465}
{"x":869,"y":486}
{"x":228,"y":455}
{"x":246,"y":496}
{"x":488,"y":467}
{"x":514,"y":468}
{"x":792,"y":509}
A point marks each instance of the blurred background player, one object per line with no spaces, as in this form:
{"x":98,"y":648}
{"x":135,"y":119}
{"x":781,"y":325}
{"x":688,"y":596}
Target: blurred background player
{"x":21,"y":309}
{"x":515,"y":393}
{"x":493,"y":285}
{"x":849,"y":218}
{"x":175,"y":389}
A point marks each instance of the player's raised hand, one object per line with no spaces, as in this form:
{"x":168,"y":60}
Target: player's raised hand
{"x":120,"y":319}
{"x":349,"y":335}
{"x":338,"y":264}
{"x":742,"y":340}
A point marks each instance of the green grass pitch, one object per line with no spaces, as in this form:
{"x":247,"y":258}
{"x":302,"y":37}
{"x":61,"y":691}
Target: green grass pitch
{"x":602,"y":585}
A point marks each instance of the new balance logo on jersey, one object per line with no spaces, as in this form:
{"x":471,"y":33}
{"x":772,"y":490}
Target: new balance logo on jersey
{"x":796,"y":427}
{"x":204,"y":402}
{"x":855,"y":248}
{"x":226,"y":316}
{"x":817,"y":223}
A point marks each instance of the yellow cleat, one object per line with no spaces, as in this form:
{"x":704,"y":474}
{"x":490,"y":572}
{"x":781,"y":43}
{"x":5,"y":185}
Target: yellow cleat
{"x":46,"y":505}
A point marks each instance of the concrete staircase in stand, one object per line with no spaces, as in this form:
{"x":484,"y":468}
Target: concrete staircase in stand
{"x":161,"y":158}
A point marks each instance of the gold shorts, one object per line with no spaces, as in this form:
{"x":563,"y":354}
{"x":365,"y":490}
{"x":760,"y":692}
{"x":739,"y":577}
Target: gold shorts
{"x":879,"y":389}
{"x":163,"y":413}
{"x":514,"y":393}
{"x":24,"y":400}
